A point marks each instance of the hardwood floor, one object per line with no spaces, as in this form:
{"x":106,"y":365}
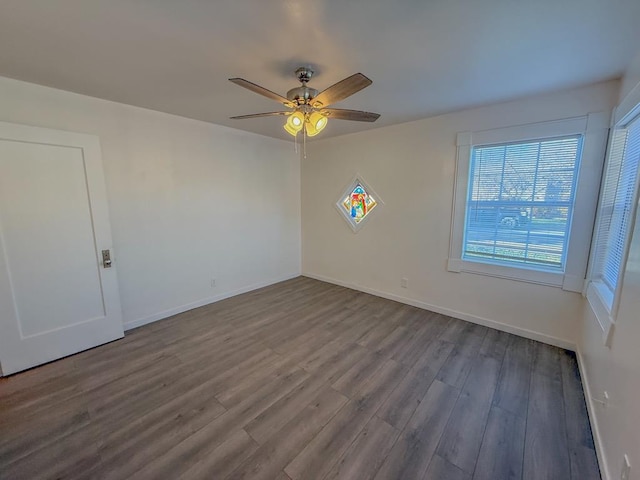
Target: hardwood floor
{"x":302,"y":380}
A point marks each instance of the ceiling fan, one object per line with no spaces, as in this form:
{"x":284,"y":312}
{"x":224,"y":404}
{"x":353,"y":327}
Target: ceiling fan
{"x":309,"y":112}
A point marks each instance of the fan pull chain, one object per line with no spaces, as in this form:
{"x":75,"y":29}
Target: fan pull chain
{"x":304,"y":144}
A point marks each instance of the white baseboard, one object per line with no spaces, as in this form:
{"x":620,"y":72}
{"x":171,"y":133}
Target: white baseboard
{"x":522,"y":332}
{"x":205,"y":301}
{"x":591,"y":410}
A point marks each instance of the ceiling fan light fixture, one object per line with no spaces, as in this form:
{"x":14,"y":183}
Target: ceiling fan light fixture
{"x":295,"y":122}
{"x":297,"y":119}
{"x":315,"y":123}
{"x":319,"y":121}
{"x":310,"y":130}
{"x":290,"y":130}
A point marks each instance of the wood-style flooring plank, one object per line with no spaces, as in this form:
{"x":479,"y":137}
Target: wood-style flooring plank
{"x":318,"y":457}
{"x":546,"y":361}
{"x":74,"y":456}
{"x":264,"y":426}
{"x":224,"y":459}
{"x":24,"y":436}
{"x":427,"y":329}
{"x":282,"y":447}
{"x":440,"y":469}
{"x":354,"y":378}
{"x":127,"y":449}
{"x":395,"y":342}
{"x":502,"y":448}
{"x":201,"y":443}
{"x":406,"y":397}
{"x":366,"y":453}
{"x":240,"y":389}
{"x":584,"y":464}
{"x":462,"y":437}
{"x":461,"y":359}
{"x":282,"y":476}
{"x":512,"y":393}
{"x":546,"y":453}
{"x":463,"y":333}
{"x":411,"y":454}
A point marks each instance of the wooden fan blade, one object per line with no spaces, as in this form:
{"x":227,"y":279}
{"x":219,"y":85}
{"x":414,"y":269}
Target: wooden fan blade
{"x":343,"y":89}
{"x":356,"y":115}
{"x":256,"y":115}
{"x":260,"y":90}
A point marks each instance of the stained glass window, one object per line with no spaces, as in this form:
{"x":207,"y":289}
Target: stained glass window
{"x":357,"y":203}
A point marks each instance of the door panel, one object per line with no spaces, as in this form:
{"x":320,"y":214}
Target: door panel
{"x":57,"y":298}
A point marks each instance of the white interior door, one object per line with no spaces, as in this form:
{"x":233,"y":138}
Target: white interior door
{"x":56,"y":296}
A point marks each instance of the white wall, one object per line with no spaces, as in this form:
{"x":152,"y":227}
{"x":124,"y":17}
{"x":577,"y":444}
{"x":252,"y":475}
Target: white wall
{"x":188,"y":200}
{"x":411,"y":166}
{"x":631,"y":78}
{"x":617,"y":369}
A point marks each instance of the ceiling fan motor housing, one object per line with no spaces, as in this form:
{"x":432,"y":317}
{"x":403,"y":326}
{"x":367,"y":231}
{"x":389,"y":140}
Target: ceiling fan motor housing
{"x":302,"y":95}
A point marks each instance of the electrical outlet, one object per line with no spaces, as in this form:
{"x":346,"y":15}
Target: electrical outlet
{"x":404,"y":282}
{"x":213,"y":283}
{"x":626,"y":469}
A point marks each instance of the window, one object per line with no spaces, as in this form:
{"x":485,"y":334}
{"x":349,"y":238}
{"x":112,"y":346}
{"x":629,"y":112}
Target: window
{"x":520,"y":202}
{"x":357,"y":202}
{"x":617,"y":201}
{"x":525,"y":200}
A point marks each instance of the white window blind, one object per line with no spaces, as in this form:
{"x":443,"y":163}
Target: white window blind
{"x":520,"y":201}
{"x":616,"y":204}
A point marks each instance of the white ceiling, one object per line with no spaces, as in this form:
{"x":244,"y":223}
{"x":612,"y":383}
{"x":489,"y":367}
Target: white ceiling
{"x":424,"y":56}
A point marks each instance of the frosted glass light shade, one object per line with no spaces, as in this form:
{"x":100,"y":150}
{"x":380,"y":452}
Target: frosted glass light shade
{"x":315,"y":123}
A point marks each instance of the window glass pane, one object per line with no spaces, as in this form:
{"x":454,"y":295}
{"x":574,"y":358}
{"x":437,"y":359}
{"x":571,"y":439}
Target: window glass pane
{"x":617,"y":203}
{"x":520,"y":202}
{"x":358,"y":203}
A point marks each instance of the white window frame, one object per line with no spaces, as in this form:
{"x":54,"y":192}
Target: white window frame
{"x":594,"y":129}
{"x":604,"y":303}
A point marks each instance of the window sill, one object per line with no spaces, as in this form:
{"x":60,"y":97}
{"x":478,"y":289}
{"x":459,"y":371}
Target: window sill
{"x":600,"y":300}
{"x":551,"y":279}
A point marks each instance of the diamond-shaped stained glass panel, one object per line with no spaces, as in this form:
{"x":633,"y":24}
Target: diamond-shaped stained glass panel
{"x":359,"y":203}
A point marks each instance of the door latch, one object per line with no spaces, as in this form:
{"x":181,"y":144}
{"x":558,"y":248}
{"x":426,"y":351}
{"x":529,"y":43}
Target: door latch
{"x":106,"y":258}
